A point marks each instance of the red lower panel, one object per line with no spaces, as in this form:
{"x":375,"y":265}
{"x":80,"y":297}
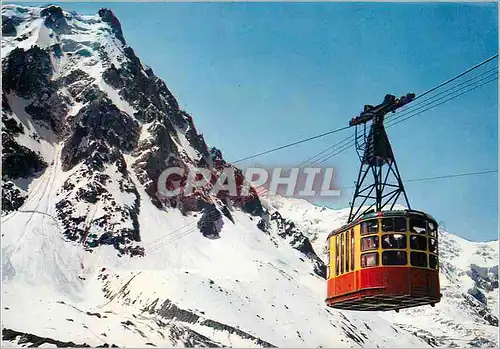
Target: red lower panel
{"x":419,"y":281}
{"x":434,"y":285}
{"x":390,"y":281}
{"x":372,"y":277}
{"x":398,"y":280}
{"x":345,"y":283}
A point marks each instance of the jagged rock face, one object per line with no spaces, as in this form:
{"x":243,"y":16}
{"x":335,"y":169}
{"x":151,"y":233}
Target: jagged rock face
{"x":9,"y":26}
{"x":478,"y":304}
{"x":168,"y":311}
{"x":288,"y":231}
{"x":97,"y":135}
{"x":159,"y":112}
{"x":19,"y":161}
{"x":118,"y":225}
{"x":54,"y":18}
{"x":36,"y":341}
{"x":142,"y":89}
{"x":210,"y":223}
{"x":108,"y":17}
{"x":485,"y":278}
{"x":28,"y":73}
{"x":12,"y":197}
{"x":63,"y":79}
{"x":98,"y":100}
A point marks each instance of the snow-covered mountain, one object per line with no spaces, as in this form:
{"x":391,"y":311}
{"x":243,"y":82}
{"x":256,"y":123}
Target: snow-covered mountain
{"x":91,"y":256}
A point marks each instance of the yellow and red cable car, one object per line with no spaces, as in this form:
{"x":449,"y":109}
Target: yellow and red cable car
{"x":384,"y":261}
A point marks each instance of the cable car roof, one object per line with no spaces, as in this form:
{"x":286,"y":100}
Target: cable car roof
{"x":393,"y":213}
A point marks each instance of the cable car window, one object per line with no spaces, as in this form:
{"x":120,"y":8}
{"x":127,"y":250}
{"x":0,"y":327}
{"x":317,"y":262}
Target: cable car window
{"x":369,"y":259}
{"x":432,"y":229}
{"x":387,"y":224}
{"x":418,"y":242}
{"x":352,"y":249}
{"x":347,"y":233}
{"x":418,"y":259}
{"x":369,"y":227}
{"x":364,"y":228}
{"x":433,"y":261}
{"x":400,"y":224}
{"x":394,"y":241}
{"x":418,"y":225}
{"x":327,"y":272}
{"x":369,"y":243}
{"x":328,"y":258}
{"x":394,"y":258}
{"x":433,"y":245}
{"x":394,"y":224}
{"x":337,"y":255}
{"x":342,"y":253}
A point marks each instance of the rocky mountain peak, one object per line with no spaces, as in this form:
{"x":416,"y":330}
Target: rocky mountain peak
{"x":54,"y":18}
{"x":108,"y":16}
{"x":111,"y":118}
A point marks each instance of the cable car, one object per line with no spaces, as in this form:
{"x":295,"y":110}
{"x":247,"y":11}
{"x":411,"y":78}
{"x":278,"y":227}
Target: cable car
{"x":384,"y":261}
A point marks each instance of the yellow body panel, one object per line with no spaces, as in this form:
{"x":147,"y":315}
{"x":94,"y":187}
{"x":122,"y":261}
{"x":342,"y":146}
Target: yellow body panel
{"x":337,"y":243}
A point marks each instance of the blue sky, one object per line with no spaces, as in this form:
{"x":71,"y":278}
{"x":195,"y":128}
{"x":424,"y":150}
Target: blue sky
{"x":258,"y":75}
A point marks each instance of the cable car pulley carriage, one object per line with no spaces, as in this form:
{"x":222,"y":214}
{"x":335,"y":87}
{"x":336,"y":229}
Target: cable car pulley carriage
{"x":381,"y":259}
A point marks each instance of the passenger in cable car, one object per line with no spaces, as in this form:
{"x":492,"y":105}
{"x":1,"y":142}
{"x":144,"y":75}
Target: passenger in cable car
{"x":394,"y":241}
{"x":369,"y":243}
{"x":369,"y":259}
{"x":417,"y":226}
{"x":418,"y":242}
